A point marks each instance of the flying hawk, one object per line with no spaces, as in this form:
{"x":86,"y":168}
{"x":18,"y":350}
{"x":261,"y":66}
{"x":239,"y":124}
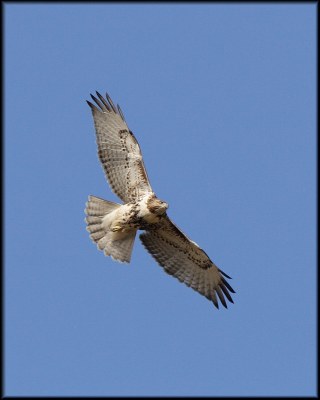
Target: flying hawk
{"x":113,"y":226}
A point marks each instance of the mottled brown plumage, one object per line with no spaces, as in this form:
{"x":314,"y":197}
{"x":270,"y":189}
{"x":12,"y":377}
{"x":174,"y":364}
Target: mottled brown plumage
{"x":113,"y":226}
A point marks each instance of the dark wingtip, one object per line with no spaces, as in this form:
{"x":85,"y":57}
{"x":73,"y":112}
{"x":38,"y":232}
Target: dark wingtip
{"x":92,"y":106}
{"x":93,"y":98}
{"x":221,"y":297}
{"x":227,"y":285}
{"x":226,"y":293}
{"x":216,"y":304}
{"x":224,"y":274}
{"x":120,"y":112}
{"x":111,"y":102}
{"x":105,"y":103}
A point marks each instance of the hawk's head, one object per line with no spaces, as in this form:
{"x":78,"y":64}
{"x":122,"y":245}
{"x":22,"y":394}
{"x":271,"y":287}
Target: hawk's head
{"x":157,"y":206}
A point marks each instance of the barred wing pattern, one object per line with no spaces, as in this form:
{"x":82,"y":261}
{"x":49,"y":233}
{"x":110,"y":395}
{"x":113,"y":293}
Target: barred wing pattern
{"x":118,"y":151}
{"x":186,"y":261}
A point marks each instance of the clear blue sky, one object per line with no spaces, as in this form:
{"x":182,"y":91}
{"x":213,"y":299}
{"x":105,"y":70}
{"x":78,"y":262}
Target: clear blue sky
{"x":222,"y":98}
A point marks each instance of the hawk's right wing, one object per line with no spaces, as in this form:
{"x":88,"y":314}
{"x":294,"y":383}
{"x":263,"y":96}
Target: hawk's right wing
{"x":119,"y":151}
{"x":185,"y":260}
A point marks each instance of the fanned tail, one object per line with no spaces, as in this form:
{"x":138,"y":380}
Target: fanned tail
{"x":100,"y":215}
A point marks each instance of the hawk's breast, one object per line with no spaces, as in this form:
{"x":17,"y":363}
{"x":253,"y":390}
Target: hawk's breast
{"x":145,"y":212}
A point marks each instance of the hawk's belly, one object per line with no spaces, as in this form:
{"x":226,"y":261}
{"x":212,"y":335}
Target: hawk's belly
{"x":129,"y":217}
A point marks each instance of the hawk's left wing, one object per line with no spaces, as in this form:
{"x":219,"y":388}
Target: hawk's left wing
{"x":185,"y":260}
{"x":118,"y":151}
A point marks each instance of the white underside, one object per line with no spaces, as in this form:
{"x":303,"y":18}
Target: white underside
{"x":109,"y":225}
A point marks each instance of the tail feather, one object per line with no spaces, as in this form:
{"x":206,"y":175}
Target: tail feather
{"x":119,"y":249}
{"x":119,"y":244}
{"x":97,"y":207}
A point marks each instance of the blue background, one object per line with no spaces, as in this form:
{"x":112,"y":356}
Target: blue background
{"x":222,"y":98}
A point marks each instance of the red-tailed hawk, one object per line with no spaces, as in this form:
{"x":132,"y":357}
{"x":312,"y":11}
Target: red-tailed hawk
{"x":113,"y":226}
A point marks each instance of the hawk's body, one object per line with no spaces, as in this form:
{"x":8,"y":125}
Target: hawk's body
{"x":113,"y":226}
